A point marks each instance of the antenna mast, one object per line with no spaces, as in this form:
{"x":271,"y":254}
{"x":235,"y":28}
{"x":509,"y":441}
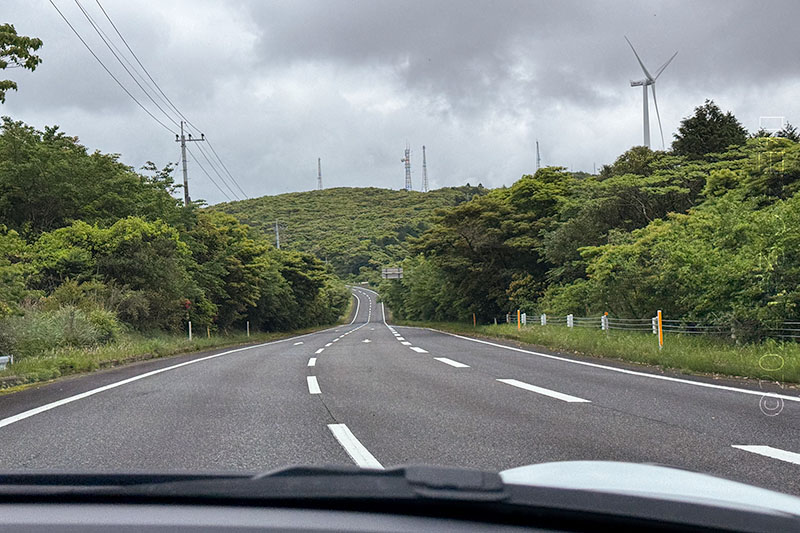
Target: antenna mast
{"x":424,"y":171}
{"x":407,"y":161}
{"x":319,"y":174}
{"x":538,"y":157}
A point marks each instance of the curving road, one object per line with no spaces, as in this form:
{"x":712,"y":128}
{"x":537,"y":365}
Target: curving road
{"x":380,"y":395}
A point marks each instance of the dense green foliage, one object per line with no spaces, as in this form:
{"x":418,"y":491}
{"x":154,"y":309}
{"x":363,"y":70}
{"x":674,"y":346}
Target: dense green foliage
{"x":711,"y":237}
{"x":357,"y":230}
{"x":16,"y":51}
{"x":89,"y":247}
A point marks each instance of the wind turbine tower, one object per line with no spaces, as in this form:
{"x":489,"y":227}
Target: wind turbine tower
{"x":649,"y":81}
{"x":538,"y":157}
{"x":424,"y":171}
{"x":407,"y":161}
{"x":319,"y":174}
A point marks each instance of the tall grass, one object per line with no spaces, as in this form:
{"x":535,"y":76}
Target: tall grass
{"x":771,"y":360}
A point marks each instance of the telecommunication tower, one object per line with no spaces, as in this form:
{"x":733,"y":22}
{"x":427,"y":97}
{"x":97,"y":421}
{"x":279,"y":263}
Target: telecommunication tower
{"x":424,"y":171}
{"x":407,"y":161}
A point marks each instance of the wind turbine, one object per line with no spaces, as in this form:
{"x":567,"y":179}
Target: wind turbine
{"x":649,"y":81}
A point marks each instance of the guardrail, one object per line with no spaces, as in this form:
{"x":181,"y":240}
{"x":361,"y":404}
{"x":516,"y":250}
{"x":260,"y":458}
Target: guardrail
{"x":657,"y":325}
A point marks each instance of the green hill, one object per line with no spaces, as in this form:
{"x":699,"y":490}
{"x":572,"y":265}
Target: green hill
{"x":358,"y":230}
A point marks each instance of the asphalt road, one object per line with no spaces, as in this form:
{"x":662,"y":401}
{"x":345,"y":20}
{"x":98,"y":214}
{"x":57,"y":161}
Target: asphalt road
{"x":380,"y":395}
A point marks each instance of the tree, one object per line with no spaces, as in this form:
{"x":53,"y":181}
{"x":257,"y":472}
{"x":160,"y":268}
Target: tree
{"x":16,"y":51}
{"x":709,"y":130}
{"x":789,"y":132}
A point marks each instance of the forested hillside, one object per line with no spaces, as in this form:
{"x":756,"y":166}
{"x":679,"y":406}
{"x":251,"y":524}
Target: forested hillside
{"x":357,"y":230}
{"x":709,"y":231}
{"x":90,"y":247}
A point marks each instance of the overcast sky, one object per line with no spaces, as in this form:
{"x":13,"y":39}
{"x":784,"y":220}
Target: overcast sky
{"x":274,"y":85}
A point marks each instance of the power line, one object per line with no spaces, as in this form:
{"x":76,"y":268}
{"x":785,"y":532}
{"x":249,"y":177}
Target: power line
{"x":108,"y":71}
{"x":207,"y":174}
{"x":158,"y":87}
{"x":226,"y":169}
{"x":217,"y":172}
{"x":111,"y":49}
{"x":147,"y":72}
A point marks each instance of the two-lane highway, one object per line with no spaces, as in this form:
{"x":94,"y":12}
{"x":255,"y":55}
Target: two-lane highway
{"x":379,"y":395}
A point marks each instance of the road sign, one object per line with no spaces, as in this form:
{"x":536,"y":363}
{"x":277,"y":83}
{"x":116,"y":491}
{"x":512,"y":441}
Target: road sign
{"x":392,"y":273}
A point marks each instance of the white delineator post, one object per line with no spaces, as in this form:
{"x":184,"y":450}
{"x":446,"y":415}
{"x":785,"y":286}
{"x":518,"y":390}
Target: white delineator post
{"x":570,"y":321}
{"x":248,"y":328}
{"x":190,"y":330}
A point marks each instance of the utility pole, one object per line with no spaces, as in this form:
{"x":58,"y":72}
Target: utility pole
{"x":319,"y":174}
{"x":424,"y":171}
{"x":183,"y":140}
{"x":407,"y":161}
{"x":538,"y":157}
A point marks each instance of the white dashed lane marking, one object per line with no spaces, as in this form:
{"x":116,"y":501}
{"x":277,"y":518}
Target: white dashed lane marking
{"x":545,"y":392}
{"x":313,"y":385}
{"x":774,"y":453}
{"x":357,"y":452}
{"x":450,"y":362}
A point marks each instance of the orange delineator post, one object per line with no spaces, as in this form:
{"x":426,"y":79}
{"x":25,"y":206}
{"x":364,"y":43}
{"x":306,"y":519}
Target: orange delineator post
{"x":474,"y":320}
{"x":519,"y":322}
{"x":660,"y":332}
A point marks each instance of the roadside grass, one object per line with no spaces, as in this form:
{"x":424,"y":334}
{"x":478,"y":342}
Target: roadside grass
{"x":130,"y":347}
{"x":771,"y":360}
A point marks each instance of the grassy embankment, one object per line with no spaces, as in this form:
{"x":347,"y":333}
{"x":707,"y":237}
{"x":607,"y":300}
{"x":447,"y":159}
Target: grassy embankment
{"x":771,"y":360}
{"x":129,"y":348}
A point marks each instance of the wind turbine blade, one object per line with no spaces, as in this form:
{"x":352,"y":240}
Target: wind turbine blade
{"x":662,"y":67}
{"x":649,"y":77}
{"x":655,"y":101}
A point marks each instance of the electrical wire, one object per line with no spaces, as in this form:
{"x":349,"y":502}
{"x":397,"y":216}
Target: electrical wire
{"x":178,"y":111}
{"x":108,"y":71}
{"x":102,"y":36}
{"x":207,"y":174}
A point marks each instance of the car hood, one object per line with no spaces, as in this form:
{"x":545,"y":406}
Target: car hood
{"x":651,"y":481}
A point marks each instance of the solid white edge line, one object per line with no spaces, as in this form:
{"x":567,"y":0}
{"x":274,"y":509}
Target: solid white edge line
{"x":541,"y":390}
{"x":313,"y":385}
{"x":357,"y":452}
{"x":41,"y":409}
{"x":450,"y":362}
{"x":358,"y":304}
{"x":312,"y":361}
{"x":769,"y":451}
{"x":624,"y":370}
{"x":418,"y":350}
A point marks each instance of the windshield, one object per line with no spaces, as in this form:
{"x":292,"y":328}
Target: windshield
{"x":240,"y":236}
